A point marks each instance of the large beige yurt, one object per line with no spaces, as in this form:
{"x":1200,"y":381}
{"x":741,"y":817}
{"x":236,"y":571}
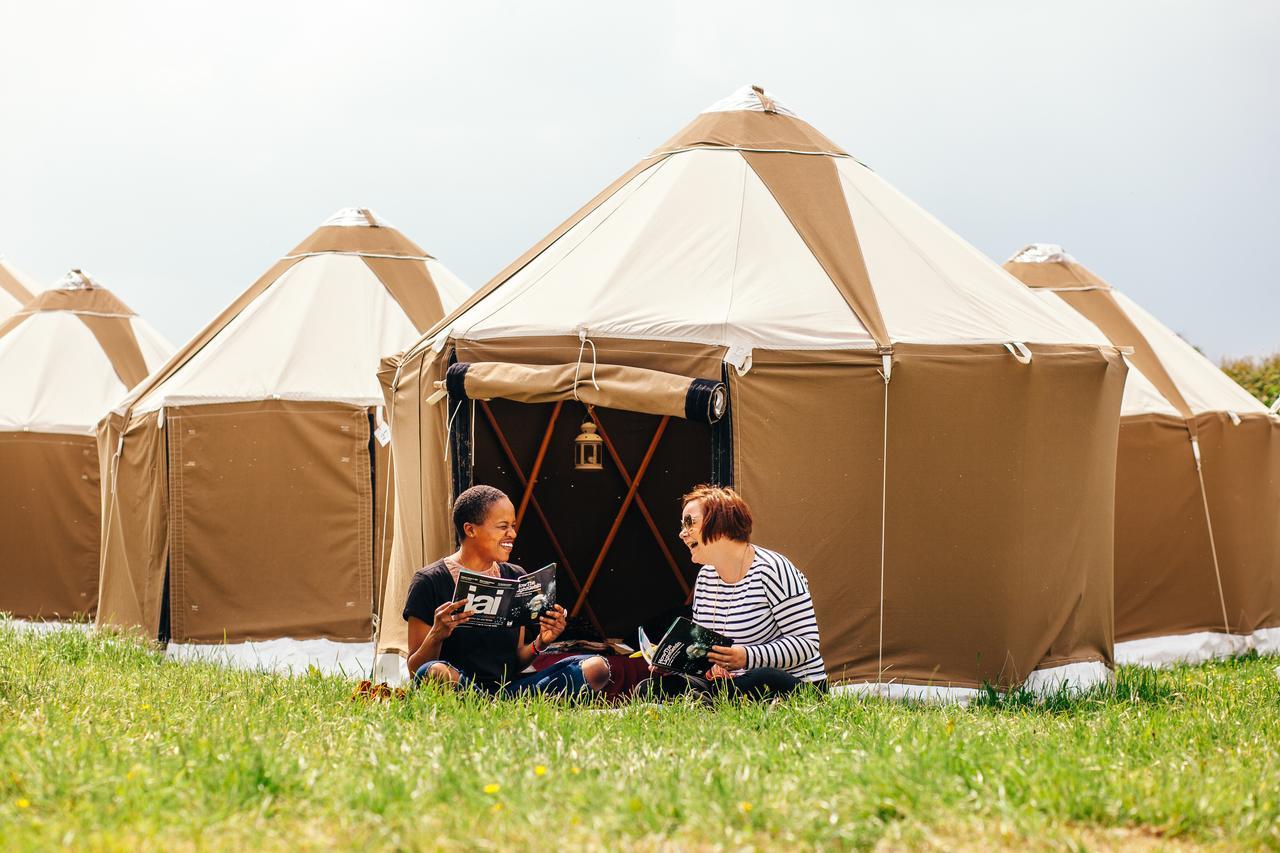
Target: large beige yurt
{"x":929,"y":442}
{"x":16,"y":289}
{"x":247,"y":477}
{"x":1198,"y":484}
{"x":66,"y":357}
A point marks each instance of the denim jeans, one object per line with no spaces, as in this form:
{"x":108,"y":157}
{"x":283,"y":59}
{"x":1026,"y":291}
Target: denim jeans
{"x":562,"y":678}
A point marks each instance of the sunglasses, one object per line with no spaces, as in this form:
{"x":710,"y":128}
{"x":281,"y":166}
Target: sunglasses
{"x":688,"y":522}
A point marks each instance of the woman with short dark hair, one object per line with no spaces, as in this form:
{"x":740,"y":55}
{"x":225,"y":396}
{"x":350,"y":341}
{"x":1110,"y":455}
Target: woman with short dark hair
{"x":444,"y":649}
{"x":752,"y":595}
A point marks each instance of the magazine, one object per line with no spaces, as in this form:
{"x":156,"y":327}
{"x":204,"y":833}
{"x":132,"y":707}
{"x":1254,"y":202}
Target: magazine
{"x":684,"y":648}
{"x":506,"y":602}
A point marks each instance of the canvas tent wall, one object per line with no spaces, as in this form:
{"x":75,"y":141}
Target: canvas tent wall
{"x":244,"y":497}
{"x":16,"y":289}
{"x":930,"y":443}
{"x":66,"y":358}
{"x":1198,"y":491}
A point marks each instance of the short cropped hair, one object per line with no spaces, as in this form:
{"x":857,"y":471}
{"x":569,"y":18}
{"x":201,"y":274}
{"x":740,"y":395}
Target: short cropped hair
{"x":472,"y":506}
{"x":724,"y":513}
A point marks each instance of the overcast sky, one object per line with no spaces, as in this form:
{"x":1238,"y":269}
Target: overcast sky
{"x":176,"y":149}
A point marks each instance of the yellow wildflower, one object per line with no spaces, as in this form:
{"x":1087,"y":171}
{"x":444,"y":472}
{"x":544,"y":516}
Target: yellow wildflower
{"x":744,"y":807}
{"x":492,"y":788}
{"x":24,"y":803}
{"x":575,"y":770}
{"x":540,"y":770}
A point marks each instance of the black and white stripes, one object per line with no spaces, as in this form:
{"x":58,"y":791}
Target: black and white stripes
{"x":769,"y":612}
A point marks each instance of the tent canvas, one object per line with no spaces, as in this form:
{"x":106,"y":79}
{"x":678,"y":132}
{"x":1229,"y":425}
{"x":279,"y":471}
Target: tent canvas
{"x":16,"y":289}
{"x":929,"y":442}
{"x":66,"y":357}
{"x":246,"y":487}
{"x":1198,"y":491}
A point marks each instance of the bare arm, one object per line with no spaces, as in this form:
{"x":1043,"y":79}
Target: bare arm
{"x":553,"y":622}
{"x":425,"y":640}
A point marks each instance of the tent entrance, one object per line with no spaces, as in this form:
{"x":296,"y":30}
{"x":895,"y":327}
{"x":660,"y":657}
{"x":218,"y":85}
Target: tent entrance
{"x":613,"y":533}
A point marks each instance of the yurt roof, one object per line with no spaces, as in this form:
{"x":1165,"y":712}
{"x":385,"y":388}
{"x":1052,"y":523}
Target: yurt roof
{"x":316,"y":325}
{"x":71,"y":354}
{"x":16,"y":288}
{"x":1161,"y":357}
{"x":750,"y":229}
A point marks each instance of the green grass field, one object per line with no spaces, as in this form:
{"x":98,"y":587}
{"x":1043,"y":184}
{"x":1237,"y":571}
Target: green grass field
{"x":105,"y":745}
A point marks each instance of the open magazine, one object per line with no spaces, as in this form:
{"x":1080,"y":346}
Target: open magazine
{"x":684,"y":648}
{"x":507,"y":602}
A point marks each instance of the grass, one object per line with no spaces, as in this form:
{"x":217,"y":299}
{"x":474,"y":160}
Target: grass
{"x":104,"y":745}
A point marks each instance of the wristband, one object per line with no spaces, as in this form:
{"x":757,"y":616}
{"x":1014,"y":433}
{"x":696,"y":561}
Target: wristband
{"x":534,"y":646}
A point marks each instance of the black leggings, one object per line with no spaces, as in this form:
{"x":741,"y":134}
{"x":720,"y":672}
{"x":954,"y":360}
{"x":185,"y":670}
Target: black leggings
{"x":762,"y":683}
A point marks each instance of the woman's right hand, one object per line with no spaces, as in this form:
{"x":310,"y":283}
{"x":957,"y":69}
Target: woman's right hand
{"x":448,"y":617}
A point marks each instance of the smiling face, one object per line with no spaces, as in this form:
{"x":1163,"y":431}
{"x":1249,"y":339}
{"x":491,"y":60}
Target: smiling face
{"x":496,"y":536}
{"x":691,"y":530}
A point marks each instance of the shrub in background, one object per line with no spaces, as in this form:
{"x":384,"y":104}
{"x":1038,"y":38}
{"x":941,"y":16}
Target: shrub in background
{"x":1259,"y":376}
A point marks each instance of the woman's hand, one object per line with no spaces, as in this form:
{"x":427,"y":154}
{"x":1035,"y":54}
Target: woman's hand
{"x":553,"y":624}
{"x":448,"y":617}
{"x":717,"y":671}
{"x":729,"y":657}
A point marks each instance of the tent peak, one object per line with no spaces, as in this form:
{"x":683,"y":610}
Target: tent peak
{"x":752,"y":99}
{"x":1042,"y":253}
{"x":356,"y":217}
{"x":76,"y":279}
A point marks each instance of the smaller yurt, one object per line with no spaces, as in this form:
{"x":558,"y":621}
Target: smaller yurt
{"x":66,"y":358}
{"x":1197,"y":564}
{"x":16,"y":289}
{"x":248,"y":482}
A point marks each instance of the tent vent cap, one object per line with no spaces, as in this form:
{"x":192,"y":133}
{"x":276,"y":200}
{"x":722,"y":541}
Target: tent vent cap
{"x":356,"y":217}
{"x":752,"y":99}
{"x":1042,"y":253}
{"x":76,"y":280}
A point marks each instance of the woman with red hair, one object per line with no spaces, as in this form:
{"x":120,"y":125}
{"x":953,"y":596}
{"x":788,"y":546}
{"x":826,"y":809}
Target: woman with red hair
{"x":752,"y":595}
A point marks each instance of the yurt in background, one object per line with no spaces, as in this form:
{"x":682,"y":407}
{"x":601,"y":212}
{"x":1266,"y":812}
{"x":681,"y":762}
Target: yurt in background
{"x":247,"y":477}
{"x":16,"y":289}
{"x":1198,"y":484}
{"x":929,"y":442}
{"x":66,"y":358}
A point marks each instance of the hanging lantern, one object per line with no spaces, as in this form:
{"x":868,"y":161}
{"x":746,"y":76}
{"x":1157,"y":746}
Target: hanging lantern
{"x":588,"y":449}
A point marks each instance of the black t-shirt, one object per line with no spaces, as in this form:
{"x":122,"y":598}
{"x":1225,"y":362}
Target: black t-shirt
{"x":486,"y":654}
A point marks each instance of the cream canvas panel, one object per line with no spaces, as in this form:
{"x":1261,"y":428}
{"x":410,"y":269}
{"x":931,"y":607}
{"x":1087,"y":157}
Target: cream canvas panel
{"x":935,"y":288}
{"x":155,"y":347}
{"x":318,"y":332}
{"x":12,"y":284}
{"x":54,"y":377}
{"x":1203,"y":385}
{"x":453,"y":290}
{"x":699,"y":231}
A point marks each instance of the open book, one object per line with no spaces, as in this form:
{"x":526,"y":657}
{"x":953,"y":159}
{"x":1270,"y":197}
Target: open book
{"x":684,"y":648}
{"x":507,"y":602}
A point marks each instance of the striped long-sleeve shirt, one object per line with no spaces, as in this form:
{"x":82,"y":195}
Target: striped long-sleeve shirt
{"x":769,"y":612}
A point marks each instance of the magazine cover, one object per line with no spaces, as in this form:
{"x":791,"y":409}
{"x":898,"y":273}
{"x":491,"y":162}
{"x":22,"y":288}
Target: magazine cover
{"x":498,"y":602}
{"x":684,"y":648}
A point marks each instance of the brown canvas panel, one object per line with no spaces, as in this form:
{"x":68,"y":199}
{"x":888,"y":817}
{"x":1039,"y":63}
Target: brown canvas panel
{"x":808,"y":190}
{"x":49,"y":525}
{"x":13,"y":287}
{"x":116,"y":337}
{"x":410,"y":285}
{"x":1241,"y":467}
{"x":749,"y":129}
{"x":95,"y":300}
{"x":704,"y":361}
{"x":1101,"y":309}
{"x":1051,"y":275}
{"x":632,"y":389}
{"x":379,"y":240}
{"x":423,"y":511}
{"x":135,"y":540}
{"x":999,"y":515}
{"x":271,"y":521}
{"x":1165,"y":579}
{"x":537,"y":249}
{"x":384,"y":496}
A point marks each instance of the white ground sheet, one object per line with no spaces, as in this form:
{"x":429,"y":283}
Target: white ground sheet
{"x":1077,"y":677}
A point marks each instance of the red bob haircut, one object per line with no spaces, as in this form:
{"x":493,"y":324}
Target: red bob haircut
{"x":724,"y":513}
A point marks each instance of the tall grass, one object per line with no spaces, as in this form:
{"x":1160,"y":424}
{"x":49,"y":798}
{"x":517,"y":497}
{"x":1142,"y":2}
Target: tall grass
{"x":103,"y":744}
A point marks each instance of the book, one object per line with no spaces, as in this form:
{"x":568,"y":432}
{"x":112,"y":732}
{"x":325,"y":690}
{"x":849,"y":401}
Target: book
{"x":684,"y":648}
{"x":498,"y":602}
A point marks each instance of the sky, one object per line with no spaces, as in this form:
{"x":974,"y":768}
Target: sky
{"x":176,"y":150}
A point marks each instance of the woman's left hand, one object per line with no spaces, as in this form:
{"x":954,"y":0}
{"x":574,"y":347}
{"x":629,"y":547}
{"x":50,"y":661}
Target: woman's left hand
{"x":553,"y":622}
{"x":729,"y":657}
